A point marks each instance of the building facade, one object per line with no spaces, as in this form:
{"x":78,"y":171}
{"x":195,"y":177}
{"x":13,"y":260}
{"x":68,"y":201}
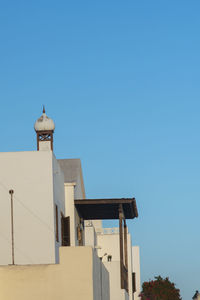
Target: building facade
{"x":106,"y":241}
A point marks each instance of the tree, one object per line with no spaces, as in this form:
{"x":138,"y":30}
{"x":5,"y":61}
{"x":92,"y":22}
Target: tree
{"x":159,"y":289}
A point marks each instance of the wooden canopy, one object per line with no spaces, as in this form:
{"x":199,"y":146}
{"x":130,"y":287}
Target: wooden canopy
{"x":106,"y":209}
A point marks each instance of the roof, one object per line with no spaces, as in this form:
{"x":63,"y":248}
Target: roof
{"x":71,"y":169}
{"x":102,"y":209}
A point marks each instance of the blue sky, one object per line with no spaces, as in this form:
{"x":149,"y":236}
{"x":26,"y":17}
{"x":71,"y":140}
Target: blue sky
{"x":121,"y":81}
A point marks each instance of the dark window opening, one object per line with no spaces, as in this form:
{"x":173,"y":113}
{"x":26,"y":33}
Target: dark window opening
{"x":65,"y":225}
{"x":57,"y":231}
{"x":109,"y":257}
{"x":133,"y":282}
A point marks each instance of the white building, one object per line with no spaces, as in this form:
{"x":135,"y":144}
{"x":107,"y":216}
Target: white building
{"x":36,"y":179}
{"x":106,"y":241}
{"x":44,"y":219}
{"x":136,"y":271}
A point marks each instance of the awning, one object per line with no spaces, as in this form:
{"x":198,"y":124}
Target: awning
{"x":106,"y":209}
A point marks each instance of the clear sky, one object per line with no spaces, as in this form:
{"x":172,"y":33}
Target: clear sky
{"x":121,"y":79}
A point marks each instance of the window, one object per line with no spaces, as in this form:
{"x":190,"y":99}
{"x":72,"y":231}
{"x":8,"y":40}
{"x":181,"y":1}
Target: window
{"x":65,"y":231}
{"x":109,"y":257}
{"x":134,"y":282}
{"x":57,"y":232}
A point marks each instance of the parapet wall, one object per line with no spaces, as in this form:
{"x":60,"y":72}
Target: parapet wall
{"x":71,"y":279}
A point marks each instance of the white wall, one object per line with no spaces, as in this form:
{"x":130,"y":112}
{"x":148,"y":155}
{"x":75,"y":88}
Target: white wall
{"x":70,"y":211}
{"x":116,"y":293}
{"x":72,"y":279}
{"x":136,"y":269}
{"x":109,"y":244}
{"x":45,"y":146}
{"x":97,"y":224}
{"x":30,"y":175}
{"x":59,"y":200}
{"x":130,"y":269}
{"x":90,"y":234}
{"x":101,"y":285}
{"x":73,"y":190}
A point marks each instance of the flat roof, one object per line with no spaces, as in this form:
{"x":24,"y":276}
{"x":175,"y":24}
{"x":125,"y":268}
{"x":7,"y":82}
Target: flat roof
{"x":106,"y":209}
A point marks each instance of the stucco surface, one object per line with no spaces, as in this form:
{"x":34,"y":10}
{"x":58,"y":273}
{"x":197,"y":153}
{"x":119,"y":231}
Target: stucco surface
{"x":136,"y":269}
{"x":71,"y":279}
{"x":116,"y":293}
{"x":101,"y":284}
{"x":109,"y":243}
{"x":38,"y":184}
{"x":59,"y":200}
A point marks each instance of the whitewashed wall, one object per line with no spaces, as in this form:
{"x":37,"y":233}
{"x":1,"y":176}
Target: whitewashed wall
{"x":116,"y":293}
{"x":136,"y":269}
{"x":90,"y":234}
{"x":32,"y":176}
{"x":73,"y":190}
{"x":70,"y":211}
{"x":72,"y":279}
{"x":59,"y":200}
{"x":101,"y":284}
{"x":130,"y":268}
{"x":109,"y":245}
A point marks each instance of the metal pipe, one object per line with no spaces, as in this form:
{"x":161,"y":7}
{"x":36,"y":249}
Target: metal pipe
{"x":11,"y":192}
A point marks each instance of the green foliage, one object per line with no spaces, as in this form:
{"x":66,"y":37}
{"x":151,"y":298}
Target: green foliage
{"x":159,"y":289}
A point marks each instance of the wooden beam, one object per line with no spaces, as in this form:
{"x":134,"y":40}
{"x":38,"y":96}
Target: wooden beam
{"x":105,"y":201}
{"x":125,"y":244}
{"x":121,"y":244}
